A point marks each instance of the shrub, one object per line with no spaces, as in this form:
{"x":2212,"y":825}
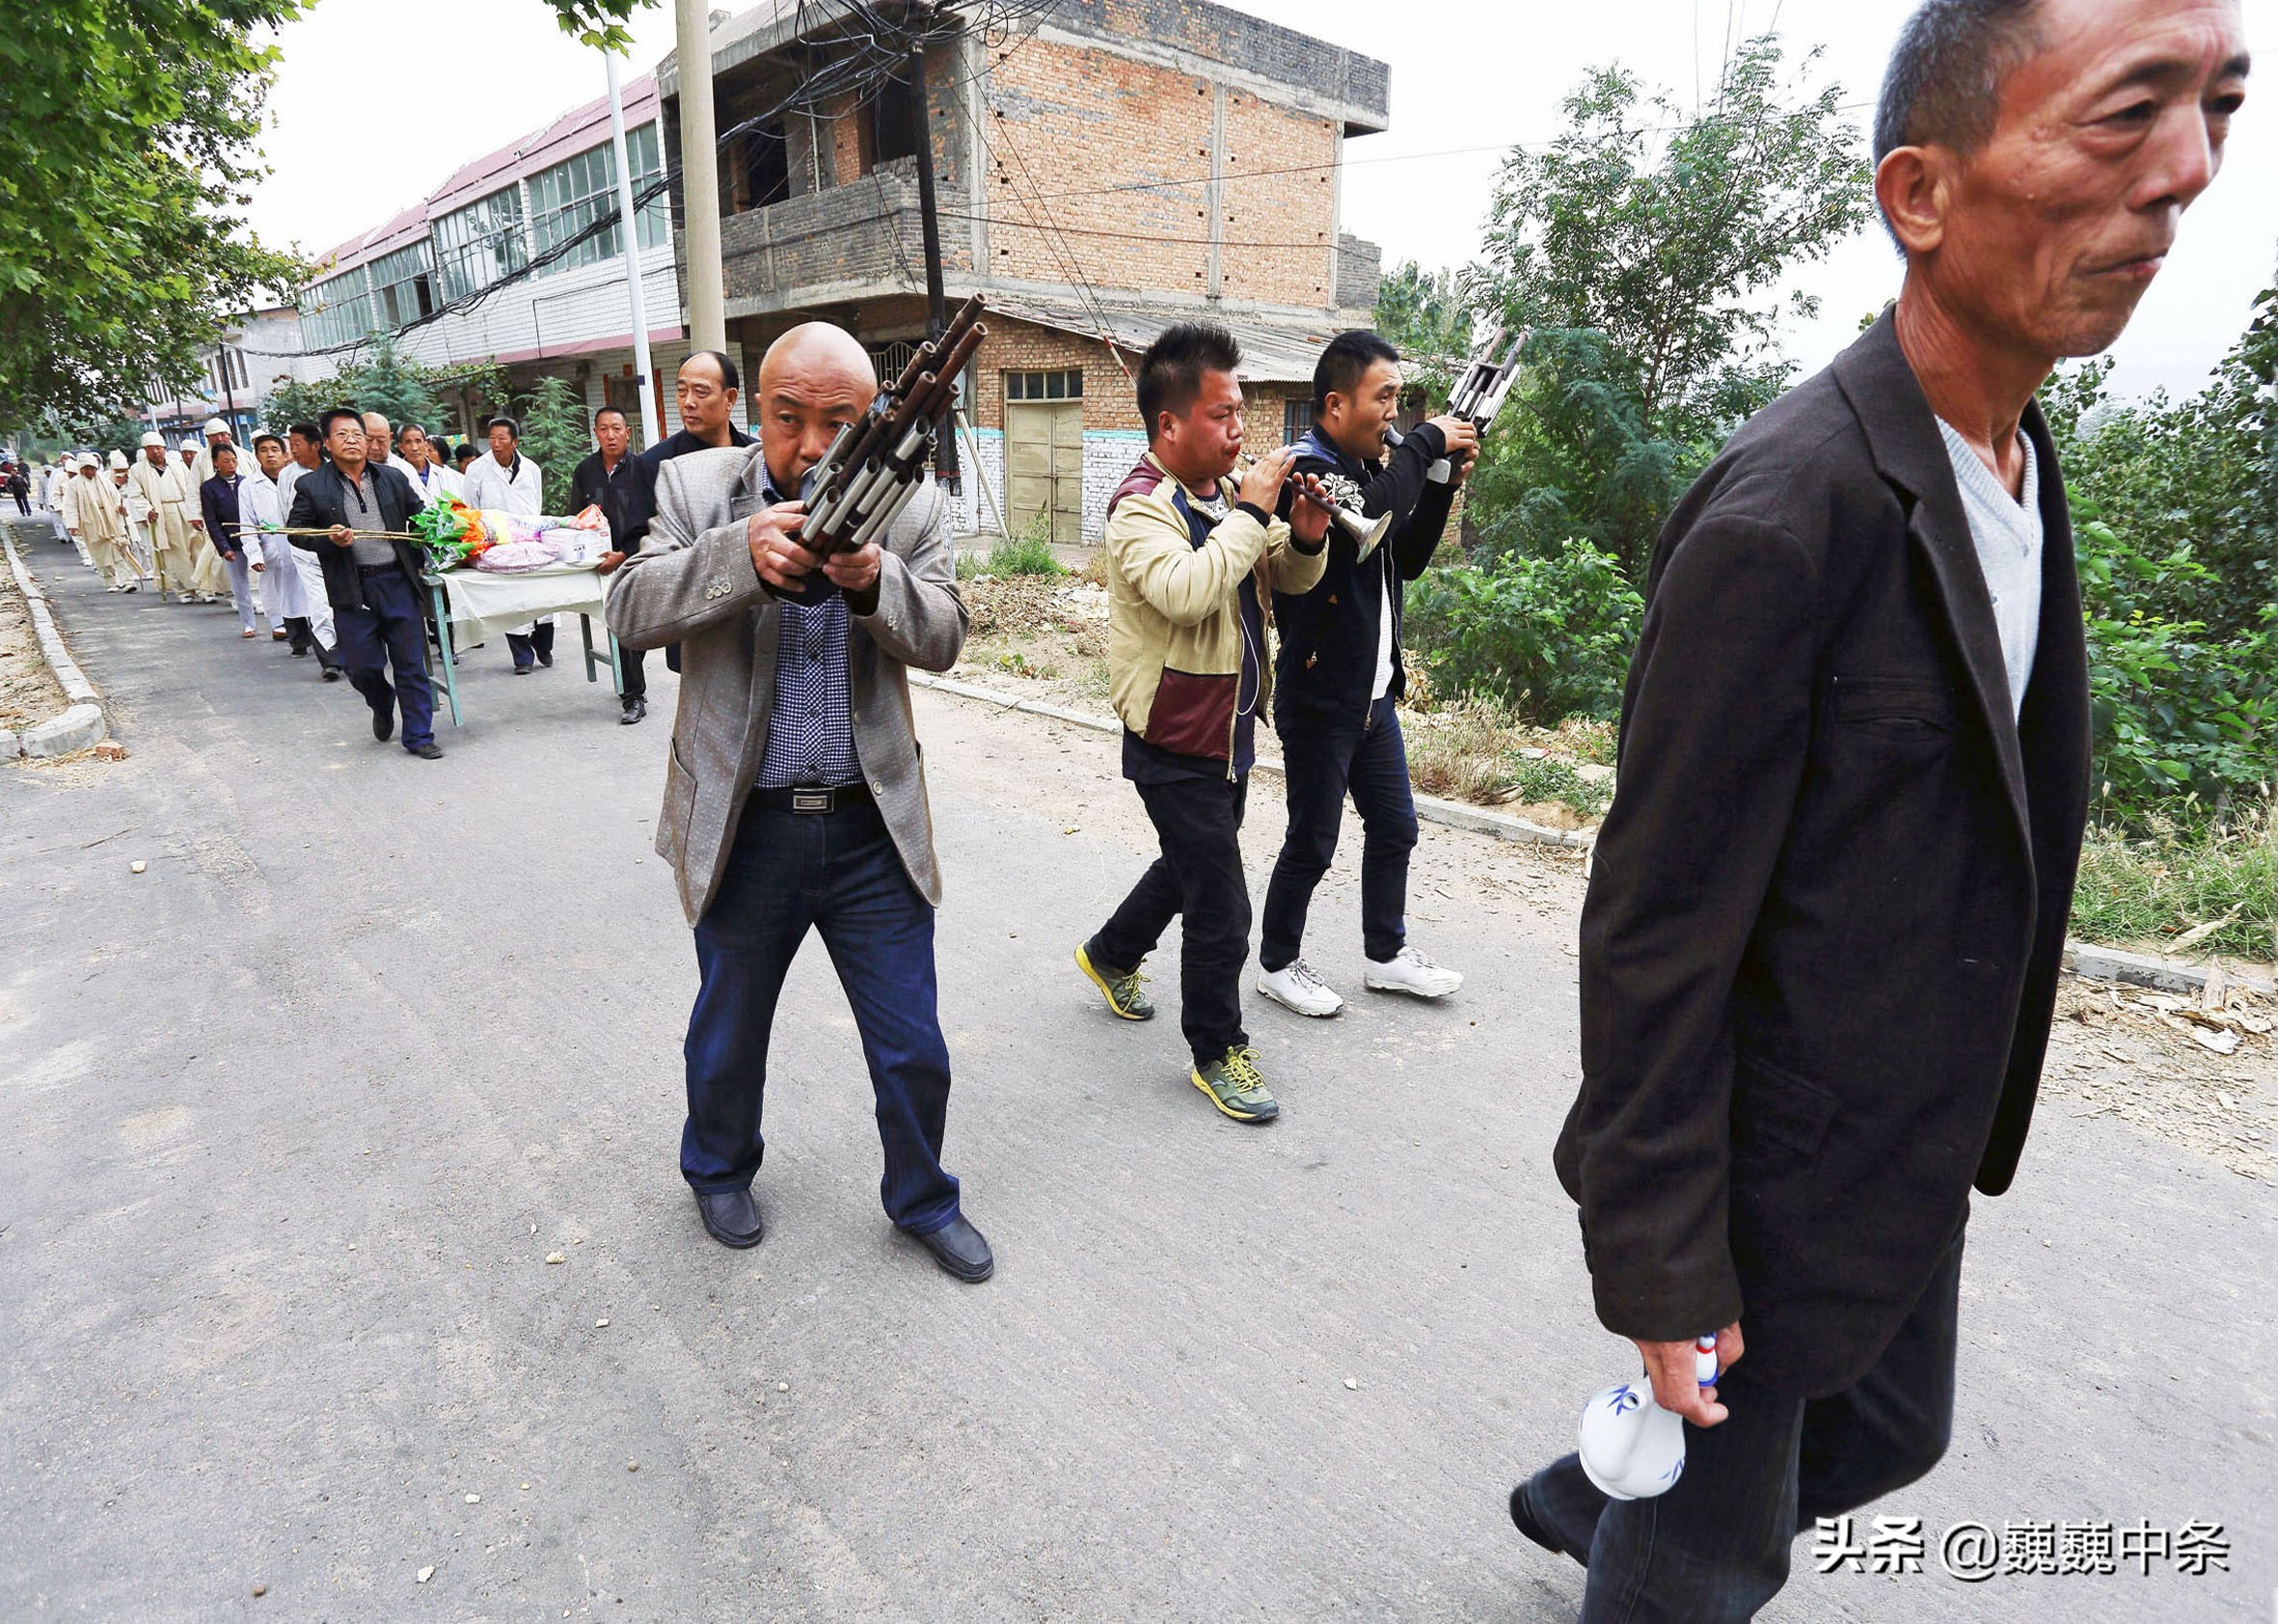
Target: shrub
{"x":1548,"y":636}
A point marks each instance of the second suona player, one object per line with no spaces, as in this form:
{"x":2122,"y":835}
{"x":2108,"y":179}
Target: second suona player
{"x":1338,"y":678}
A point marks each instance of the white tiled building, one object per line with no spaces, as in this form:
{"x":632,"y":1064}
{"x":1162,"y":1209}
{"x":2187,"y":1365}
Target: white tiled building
{"x":570,"y":317}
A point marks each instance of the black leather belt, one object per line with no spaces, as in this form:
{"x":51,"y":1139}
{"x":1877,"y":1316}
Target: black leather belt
{"x":811,"y":799}
{"x":367,"y":570}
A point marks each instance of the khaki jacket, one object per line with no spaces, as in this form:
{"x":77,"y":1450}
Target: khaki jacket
{"x":1175,"y":624}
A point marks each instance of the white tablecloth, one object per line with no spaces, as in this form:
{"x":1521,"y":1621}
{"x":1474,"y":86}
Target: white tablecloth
{"x":485,"y":605}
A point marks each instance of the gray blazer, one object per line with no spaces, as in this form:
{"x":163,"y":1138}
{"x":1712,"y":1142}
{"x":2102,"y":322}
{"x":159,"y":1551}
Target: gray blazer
{"x":693,"y":583}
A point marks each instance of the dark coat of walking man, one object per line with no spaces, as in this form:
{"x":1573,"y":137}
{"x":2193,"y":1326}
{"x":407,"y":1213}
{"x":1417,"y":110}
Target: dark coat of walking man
{"x":1821,"y":945}
{"x":371,"y":582}
{"x":794,"y":798}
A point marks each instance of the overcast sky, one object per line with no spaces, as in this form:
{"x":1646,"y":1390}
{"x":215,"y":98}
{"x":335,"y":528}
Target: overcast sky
{"x":378,"y":101}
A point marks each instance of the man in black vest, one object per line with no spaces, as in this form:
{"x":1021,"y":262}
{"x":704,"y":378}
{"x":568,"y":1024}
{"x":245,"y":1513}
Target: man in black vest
{"x":371,"y":581}
{"x":1822,"y":941}
{"x":1339,"y":678}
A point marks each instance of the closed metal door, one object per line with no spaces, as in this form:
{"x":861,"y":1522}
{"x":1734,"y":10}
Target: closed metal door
{"x":1044,"y":468}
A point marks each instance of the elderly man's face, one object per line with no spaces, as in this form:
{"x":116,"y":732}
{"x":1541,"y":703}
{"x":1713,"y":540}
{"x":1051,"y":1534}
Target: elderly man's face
{"x":706,"y":403}
{"x":379,"y":437}
{"x":804,"y":400}
{"x":2056,"y":226}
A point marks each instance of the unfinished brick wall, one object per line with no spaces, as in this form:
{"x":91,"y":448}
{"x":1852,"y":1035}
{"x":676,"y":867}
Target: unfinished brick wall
{"x":1064,"y":121}
{"x":1295,"y":207}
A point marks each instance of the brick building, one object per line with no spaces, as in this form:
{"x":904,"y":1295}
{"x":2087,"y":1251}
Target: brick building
{"x":1124,"y":164}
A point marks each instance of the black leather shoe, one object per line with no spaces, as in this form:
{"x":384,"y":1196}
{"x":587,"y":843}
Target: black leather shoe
{"x":546,"y":658}
{"x":729,"y":1217}
{"x":429,"y":751}
{"x":383,"y":723}
{"x":957,"y":1247}
{"x":332,"y":673}
{"x":524,"y":671}
{"x":634,"y":711}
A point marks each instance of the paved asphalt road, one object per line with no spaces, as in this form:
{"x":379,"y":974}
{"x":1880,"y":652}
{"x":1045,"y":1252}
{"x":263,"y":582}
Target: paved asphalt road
{"x":294,"y":1117}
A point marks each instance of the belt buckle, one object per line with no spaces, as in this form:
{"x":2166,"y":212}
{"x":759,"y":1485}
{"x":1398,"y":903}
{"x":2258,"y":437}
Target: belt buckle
{"x":810,"y":801}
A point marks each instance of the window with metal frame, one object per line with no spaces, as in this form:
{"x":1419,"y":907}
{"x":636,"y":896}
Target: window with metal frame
{"x":336,"y":311}
{"x":402,"y":287}
{"x":574,"y":194}
{"x":1067,"y":384}
{"x":1296,"y":417}
{"x":477,"y":245}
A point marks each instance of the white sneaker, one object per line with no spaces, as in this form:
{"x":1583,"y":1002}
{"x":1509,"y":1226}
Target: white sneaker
{"x":1294,"y":986}
{"x":1410,"y":971}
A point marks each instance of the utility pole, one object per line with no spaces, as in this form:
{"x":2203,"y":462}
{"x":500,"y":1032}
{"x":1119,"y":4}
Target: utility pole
{"x":652,"y":420}
{"x":945,"y":465}
{"x":699,"y":177}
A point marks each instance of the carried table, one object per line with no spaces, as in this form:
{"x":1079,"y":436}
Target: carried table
{"x":485,"y":604}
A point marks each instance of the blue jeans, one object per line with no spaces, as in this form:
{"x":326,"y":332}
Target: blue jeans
{"x":1324,"y":757}
{"x":1715,"y":1548}
{"x":840,"y":874}
{"x":390,"y":629}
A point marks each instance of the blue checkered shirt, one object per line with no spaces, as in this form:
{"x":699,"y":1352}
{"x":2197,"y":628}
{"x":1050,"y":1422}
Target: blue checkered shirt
{"x":812,"y":729}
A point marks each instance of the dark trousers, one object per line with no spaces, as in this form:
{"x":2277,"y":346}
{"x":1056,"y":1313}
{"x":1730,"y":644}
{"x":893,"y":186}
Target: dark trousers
{"x":1715,"y":1548}
{"x":389,"y":630}
{"x":1198,"y":878}
{"x":1326,"y":757}
{"x":838,"y":873}
{"x":631,"y":662}
{"x":23,"y":504}
{"x":525,"y":649}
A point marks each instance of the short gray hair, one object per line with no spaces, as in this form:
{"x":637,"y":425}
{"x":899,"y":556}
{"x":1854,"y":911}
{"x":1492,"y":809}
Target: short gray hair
{"x":1944,"y":84}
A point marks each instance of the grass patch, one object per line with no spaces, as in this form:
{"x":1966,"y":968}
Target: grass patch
{"x":2154,"y":887}
{"x":1025,"y":554}
{"x":1473,"y":749}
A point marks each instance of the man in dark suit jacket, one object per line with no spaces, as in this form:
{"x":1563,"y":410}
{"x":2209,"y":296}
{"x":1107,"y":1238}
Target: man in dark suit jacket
{"x":1822,"y":941}
{"x":371,"y":581}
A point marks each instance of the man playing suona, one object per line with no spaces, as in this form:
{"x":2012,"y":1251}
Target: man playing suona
{"x":1338,"y":676}
{"x":1193,"y":563}
{"x":794,"y":798}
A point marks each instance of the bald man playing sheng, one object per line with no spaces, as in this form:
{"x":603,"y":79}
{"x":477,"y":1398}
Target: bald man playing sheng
{"x":794,"y":797}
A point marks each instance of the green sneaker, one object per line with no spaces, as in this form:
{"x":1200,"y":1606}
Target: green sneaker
{"x":1120,"y":988}
{"x":1236,"y":1087}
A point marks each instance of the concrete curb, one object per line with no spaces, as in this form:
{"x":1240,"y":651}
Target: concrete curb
{"x":2143,"y":969}
{"x":1429,"y":807}
{"x":83,"y":723}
